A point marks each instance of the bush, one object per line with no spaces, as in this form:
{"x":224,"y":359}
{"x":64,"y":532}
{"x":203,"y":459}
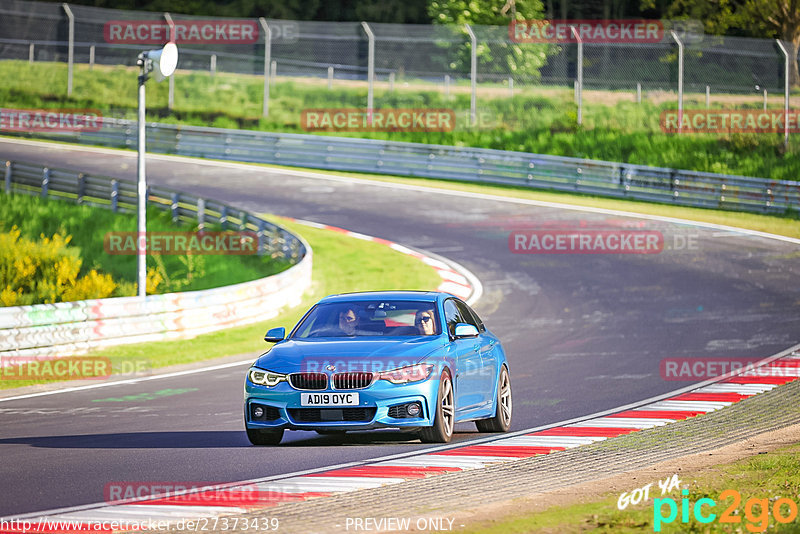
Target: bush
{"x":46,"y":271}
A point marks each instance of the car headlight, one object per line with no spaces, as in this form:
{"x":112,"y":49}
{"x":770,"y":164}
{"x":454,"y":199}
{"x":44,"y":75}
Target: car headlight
{"x":411,"y":373}
{"x":265,"y":378}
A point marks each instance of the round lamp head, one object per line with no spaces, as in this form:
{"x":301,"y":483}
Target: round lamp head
{"x":166,"y":64}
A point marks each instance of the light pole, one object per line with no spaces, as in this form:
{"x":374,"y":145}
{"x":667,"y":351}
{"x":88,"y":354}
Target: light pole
{"x":163,"y":63}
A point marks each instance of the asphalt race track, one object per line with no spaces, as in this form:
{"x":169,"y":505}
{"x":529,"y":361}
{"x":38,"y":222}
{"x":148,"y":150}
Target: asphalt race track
{"x":583,"y":332}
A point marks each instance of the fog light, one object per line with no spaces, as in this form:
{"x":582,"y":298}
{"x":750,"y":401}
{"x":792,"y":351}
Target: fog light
{"x":258,"y":412}
{"x":413,"y":409}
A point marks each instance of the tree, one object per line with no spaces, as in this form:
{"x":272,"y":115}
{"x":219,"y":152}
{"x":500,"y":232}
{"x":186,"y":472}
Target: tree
{"x":753,"y":18}
{"x":496,"y":53}
{"x":778,"y":18}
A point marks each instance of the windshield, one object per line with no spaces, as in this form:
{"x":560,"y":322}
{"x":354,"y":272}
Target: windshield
{"x":369,"y":319}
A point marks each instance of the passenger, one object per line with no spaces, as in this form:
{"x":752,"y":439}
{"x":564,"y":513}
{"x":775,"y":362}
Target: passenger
{"x":348,"y":321}
{"x":425,"y":322}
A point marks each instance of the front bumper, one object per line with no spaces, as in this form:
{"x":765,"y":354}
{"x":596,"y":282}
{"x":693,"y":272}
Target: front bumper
{"x":282,"y":407}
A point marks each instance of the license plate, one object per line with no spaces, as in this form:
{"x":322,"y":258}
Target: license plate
{"x":329,"y":399}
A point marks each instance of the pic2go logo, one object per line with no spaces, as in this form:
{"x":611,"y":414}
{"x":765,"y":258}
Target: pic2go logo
{"x":756,"y":511}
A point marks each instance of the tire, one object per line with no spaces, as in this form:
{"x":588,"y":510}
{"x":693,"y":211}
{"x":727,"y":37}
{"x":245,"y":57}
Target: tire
{"x":444,"y":417}
{"x":262,"y":436}
{"x":501,"y":421}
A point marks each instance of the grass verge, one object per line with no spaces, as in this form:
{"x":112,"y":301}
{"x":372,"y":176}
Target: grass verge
{"x":537,"y":119}
{"x":341,"y":264}
{"x":88,"y":227}
{"x":759,"y":480}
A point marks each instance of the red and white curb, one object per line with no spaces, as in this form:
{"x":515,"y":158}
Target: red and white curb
{"x":241,"y":497}
{"x":456,"y":279}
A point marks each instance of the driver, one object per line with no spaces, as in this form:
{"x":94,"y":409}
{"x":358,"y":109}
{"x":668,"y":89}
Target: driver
{"x":424,"y":321}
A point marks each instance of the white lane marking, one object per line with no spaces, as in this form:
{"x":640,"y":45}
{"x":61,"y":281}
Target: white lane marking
{"x":742,"y":389}
{"x":131,"y":380}
{"x":312,"y":484}
{"x":153,"y":510}
{"x":456,"y":289}
{"x":621,"y":422}
{"x":688,"y":406}
{"x":452,"y":276}
{"x":354,"y":482}
{"x":437,"y":460}
{"x":552,"y":441}
{"x":774,"y":371}
{"x":436,"y":263}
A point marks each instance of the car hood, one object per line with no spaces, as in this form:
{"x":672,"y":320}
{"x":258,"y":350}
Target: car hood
{"x":347,"y":355}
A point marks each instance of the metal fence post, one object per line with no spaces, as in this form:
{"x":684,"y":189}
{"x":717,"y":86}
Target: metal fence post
{"x":447,"y":86}
{"x":201,"y":214}
{"x":391,"y":82}
{"x":45,"y":181}
{"x":765,"y":100}
{"x":91,"y":57}
{"x":242,"y":220}
{"x":511,"y":87}
{"x":267,"y":59}
{"x":213,"y":66}
{"x":260,"y":235}
{"x":174,"y":207}
{"x":473,"y":74}
{"x":638,"y":92}
{"x":680,"y":78}
{"x":8,"y":176}
{"x":330,"y":77}
{"x":370,"y":68}
{"x":31,"y":52}
{"x":785,"y":92}
{"x":114,"y":195}
{"x":708,"y":96}
{"x":579,"y":92}
{"x":81,"y":187}
{"x":223,"y":217}
{"x":71,"y":51}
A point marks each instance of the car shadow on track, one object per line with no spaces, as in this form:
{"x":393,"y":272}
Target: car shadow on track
{"x":212,"y":439}
{"x":201,"y":439}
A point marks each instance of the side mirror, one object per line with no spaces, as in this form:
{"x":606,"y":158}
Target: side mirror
{"x":465,"y":330}
{"x":275,"y":334}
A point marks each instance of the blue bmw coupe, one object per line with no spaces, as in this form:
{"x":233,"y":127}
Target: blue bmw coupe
{"x":389,"y":359}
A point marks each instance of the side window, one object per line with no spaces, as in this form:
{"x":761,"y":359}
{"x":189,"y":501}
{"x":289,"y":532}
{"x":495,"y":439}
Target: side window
{"x":478,"y":321}
{"x":467,"y":315}
{"x":451,"y":315}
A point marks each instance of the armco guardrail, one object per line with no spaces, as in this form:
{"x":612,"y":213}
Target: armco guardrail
{"x":656,"y":184}
{"x":62,"y":329}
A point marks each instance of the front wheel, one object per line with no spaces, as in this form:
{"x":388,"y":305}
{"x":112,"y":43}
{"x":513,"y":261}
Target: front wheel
{"x":444,"y":417}
{"x":264,"y":436}
{"x":501,"y":421}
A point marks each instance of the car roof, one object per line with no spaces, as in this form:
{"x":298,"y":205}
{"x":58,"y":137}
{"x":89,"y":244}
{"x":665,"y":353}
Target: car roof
{"x":415,"y":296}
